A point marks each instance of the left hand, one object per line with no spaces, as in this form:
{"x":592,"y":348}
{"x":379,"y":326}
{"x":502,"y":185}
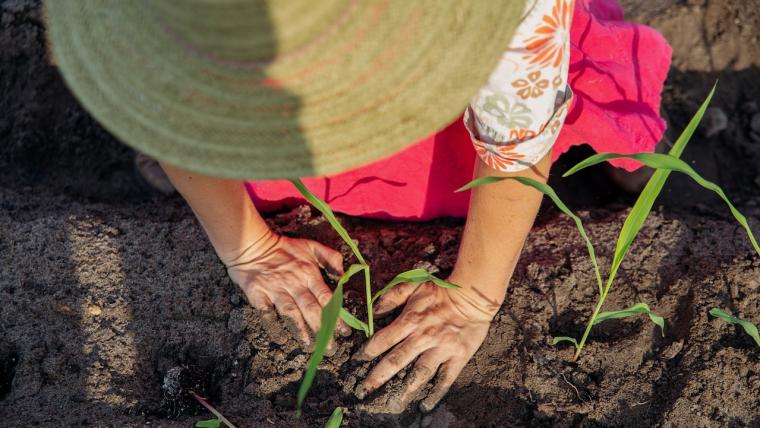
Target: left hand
{"x":440,"y":328}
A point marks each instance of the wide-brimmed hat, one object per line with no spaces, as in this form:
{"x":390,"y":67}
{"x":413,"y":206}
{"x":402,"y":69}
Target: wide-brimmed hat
{"x":262,"y":89}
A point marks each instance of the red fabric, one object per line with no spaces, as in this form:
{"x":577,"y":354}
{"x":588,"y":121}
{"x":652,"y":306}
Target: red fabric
{"x":617,"y":70}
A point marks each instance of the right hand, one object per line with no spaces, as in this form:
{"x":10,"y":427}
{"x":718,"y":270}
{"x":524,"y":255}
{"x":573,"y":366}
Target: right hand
{"x":282,"y":274}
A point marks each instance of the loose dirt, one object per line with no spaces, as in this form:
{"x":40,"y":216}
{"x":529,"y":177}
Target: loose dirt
{"x":113,"y":305}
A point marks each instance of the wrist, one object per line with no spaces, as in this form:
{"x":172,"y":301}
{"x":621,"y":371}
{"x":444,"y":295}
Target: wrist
{"x":259,"y":245}
{"x":484,"y":295}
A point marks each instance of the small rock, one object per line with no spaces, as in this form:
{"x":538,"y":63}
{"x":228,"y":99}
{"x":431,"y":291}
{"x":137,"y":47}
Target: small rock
{"x":427,"y":266}
{"x":673,"y":350}
{"x":755,"y":123}
{"x":430,"y":249}
{"x":235,"y":299}
{"x":94,"y":310}
{"x":715,"y":121}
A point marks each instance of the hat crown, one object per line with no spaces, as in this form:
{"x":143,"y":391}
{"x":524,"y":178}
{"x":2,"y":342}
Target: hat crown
{"x":246,"y":30}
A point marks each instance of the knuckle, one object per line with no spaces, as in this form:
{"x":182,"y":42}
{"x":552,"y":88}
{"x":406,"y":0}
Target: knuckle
{"x":288,"y":308}
{"x":413,"y":317}
{"x":393,"y":359}
{"x":313,"y":307}
{"x":323,"y":296}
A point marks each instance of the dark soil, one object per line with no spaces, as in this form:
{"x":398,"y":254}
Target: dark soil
{"x":114,"y":306}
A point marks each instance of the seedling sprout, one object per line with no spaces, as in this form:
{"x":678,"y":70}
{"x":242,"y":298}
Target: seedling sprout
{"x":334,"y":307}
{"x":664,"y":164}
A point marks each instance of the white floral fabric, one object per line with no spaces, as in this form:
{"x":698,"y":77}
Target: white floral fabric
{"x":516,"y":117}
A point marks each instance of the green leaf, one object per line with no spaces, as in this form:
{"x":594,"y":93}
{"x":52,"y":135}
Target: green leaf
{"x":548,"y":191}
{"x":640,"y":211}
{"x":335,"y":419}
{"x":748,"y":327}
{"x":330,"y":315}
{"x":637,"y":309}
{"x":414,"y":276}
{"x":330,"y":216}
{"x":671,"y":163}
{"x":644,"y":203}
{"x":211,"y":423}
{"x":561,"y":339}
{"x":354,"y":322}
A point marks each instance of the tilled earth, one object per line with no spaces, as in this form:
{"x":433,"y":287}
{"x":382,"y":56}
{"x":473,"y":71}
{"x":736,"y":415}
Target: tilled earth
{"x":113,"y":306}
{"x":103,"y":306}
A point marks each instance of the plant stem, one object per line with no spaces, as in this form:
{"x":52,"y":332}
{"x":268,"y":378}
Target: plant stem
{"x":368,"y":288}
{"x":211,"y":409}
{"x":590,"y":324}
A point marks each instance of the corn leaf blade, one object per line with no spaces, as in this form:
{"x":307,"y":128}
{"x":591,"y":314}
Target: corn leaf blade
{"x":560,"y":339}
{"x":414,"y":276}
{"x":748,"y":327}
{"x":211,"y":423}
{"x":326,"y":211}
{"x":671,"y":163}
{"x":330,"y":314}
{"x":548,"y":191}
{"x":644,"y":203}
{"x":335,"y":419}
{"x":637,"y":309}
{"x":354,"y":322}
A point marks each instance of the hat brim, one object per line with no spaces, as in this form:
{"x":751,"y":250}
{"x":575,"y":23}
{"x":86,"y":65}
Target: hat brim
{"x":373,"y":78}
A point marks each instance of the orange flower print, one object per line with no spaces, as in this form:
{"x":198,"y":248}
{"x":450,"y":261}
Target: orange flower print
{"x":547,"y":45}
{"x":557,"y":82}
{"x":532,"y":87}
{"x":498,"y":157}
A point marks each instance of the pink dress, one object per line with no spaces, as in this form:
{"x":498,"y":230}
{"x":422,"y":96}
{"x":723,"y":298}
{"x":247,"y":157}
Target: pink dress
{"x":574,"y":73}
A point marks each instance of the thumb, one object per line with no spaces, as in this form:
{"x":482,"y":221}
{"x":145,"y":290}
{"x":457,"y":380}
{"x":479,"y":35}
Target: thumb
{"x":394,"y":298}
{"x":327,"y":257}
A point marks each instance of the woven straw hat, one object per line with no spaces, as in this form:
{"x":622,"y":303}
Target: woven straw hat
{"x":263,"y":89}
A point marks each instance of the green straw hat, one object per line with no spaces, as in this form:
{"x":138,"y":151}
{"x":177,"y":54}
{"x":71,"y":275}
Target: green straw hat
{"x":263,"y":89}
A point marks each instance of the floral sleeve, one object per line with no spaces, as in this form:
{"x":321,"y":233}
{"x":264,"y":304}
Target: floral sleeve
{"x":515,"y":118}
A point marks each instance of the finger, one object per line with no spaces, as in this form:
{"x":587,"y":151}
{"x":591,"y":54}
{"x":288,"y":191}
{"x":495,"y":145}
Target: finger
{"x":260,"y":300}
{"x":268,"y":317}
{"x":422,"y":373}
{"x":309,"y":307}
{"x":323,"y":294}
{"x":391,"y":364}
{"x":292,"y":317}
{"x":327,"y":257}
{"x":394,"y":298}
{"x":388,"y":337}
{"x":447,"y":374}
{"x":311,"y":311}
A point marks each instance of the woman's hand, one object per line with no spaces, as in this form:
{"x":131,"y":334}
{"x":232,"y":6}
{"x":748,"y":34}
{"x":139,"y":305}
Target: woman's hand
{"x":283,"y":274}
{"x":439,"y":328}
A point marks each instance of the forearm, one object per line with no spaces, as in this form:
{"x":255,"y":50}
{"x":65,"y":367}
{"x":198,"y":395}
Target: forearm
{"x":499,"y":220}
{"x":225,"y":211}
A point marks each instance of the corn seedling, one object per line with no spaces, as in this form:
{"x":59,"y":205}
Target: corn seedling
{"x":211,"y":423}
{"x":664,"y":164}
{"x":334,"y":307}
{"x":748,"y":327}
{"x":335,"y":419}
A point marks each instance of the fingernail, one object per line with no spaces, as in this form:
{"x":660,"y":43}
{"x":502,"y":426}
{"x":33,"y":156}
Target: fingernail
{"x":360,"y":355}
{"x":360,"y":392}
{"x":426,"y":407}
{"x":396,"y":407}
{"x":331,"y":348}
